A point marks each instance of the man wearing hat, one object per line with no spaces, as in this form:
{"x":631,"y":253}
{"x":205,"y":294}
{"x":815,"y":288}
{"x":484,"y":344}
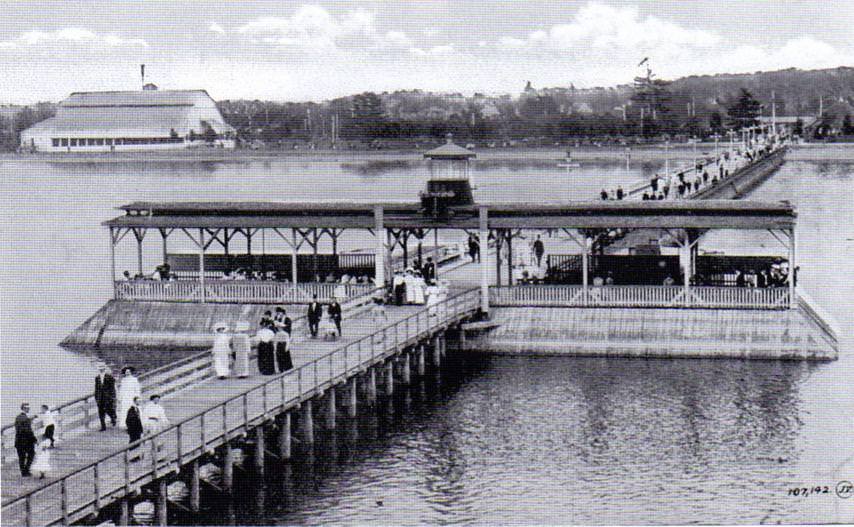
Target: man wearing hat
{"x":105,"y":396}
{"x":315,"y":312}
{"x":266,"y":353}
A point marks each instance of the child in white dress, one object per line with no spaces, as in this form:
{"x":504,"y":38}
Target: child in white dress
{"x":41,"y":463}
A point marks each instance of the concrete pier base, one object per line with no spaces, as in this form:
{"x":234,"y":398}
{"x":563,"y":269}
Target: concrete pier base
{"x":124,"y":511}
{"x":405,"y":373}
{"x":437,"y":351}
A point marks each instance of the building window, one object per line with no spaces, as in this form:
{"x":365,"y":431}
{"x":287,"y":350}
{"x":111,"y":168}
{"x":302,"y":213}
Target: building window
{"x":74,"y":142}
{"x":64,"y":141}
{"x":90,"y":142}
{"x":55,"y":141}
{"x":108,"y":142}
{"x":99,"y":142}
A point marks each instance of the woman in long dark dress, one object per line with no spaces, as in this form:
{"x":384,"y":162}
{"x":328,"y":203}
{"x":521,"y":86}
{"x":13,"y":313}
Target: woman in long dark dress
{"x":266,"y":352}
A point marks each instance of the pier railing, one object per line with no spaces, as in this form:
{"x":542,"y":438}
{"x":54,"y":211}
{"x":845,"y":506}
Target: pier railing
{"x":640,"y":296}
{"x":88,"y":489}
{"x":81,"y":414}
{"x":235,"y":291}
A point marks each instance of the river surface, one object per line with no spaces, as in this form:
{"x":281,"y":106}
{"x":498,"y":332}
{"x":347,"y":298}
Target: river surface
{"x":510,"y":439}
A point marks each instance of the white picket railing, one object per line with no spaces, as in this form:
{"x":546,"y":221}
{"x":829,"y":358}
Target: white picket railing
{"x":640,"y":296}
{"x":236,"y":291}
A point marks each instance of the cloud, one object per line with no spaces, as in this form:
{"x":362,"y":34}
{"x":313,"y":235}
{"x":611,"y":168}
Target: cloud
{"x":216,"y":28}
{"x":601,"y":26}
{"x":72,"y":35}
{"x":445,"y":49}
{"x":314,"y":28}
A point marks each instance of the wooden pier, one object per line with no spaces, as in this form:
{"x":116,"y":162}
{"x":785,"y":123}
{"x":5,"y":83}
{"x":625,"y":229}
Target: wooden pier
{"x":97,"y":469}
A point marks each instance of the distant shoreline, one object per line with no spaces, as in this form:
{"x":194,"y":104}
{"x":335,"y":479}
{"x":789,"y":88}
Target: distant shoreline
{"x":804,"y":152}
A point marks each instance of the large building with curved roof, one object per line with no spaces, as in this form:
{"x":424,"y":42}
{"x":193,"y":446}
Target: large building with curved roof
{"x":131,"y":120}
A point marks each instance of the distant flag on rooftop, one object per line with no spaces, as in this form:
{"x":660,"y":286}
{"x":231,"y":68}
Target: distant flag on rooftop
{"x":644,"y":61}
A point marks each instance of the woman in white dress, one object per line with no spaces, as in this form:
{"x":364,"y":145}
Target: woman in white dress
{"x":419,"y":285}
{"x":433,"y":296}
{"x":221,"y":350}
{"x":128,"y":389}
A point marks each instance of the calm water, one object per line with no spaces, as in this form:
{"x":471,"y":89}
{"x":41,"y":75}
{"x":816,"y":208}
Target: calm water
{"x":511,"y":440}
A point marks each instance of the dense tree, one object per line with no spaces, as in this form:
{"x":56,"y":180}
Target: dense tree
{"x":716,"y":122}
{"x":847,"y":126}
{"x":745,"y":112}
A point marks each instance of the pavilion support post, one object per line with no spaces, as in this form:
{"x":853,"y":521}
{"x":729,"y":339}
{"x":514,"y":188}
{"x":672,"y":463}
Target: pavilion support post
{"x":421,"y":366}
{"x":294,"y":252}
{"x":585,"y":268}
{"x":314,"y":240}
{"x":161,"y":509}
{"x":379,"y":257}
{"x":307,"y":422}
{"x":371,"y":387}
{"x":436,"y":253}
{"x":139,"y":239}
{"x":331,"y":410}
{"x":793,"y":265}
{"x":509,"y":258}
{"x":113,"y":260}
{"x":202,"y":265}
{"x":195,"y":487}
{"x":225,"y":239}
{"x":165,"y":237}
{"x":499,"y":244}
{"x":260,"y":449}
{"x":405,"y":246}
{"x":484,"y":267}
{"x":285,"y":436}
{"x":228,"y":468}
{"x":353,"y":395}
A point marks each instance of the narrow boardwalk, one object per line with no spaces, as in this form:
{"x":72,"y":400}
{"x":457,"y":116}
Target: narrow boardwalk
{"x":243,"y":403}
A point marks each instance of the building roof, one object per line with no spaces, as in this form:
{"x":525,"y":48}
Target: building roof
{"x":706,"y":214}
{"x":449,"y":150}
{"x":133,"y":114}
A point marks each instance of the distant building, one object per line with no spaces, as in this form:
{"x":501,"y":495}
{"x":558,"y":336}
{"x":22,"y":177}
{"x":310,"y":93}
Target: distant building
{"x":131,"y":120}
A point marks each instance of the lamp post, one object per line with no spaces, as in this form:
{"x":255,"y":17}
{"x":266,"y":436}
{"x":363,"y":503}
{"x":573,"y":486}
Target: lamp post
{"x":667,"y":158}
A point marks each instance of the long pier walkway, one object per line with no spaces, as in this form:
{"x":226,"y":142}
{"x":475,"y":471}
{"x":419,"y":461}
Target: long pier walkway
{"x":94,"y":469}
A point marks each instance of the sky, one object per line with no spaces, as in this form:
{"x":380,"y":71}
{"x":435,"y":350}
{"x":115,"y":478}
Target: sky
{"x":292,"y":51}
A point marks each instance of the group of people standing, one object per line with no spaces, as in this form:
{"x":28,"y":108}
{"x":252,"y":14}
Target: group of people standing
{"x":121,"y":406}
{"x":231,"y":350}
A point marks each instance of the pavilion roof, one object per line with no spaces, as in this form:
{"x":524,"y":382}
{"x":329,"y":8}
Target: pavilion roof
{"x":449,"y":151}
{"x":703,"y":214}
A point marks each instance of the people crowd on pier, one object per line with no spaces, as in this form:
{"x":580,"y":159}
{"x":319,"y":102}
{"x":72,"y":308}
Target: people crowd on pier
{"x":685,"y":183}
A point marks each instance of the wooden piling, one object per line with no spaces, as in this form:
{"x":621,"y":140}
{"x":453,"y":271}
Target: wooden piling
{"x":228,"y":469}
{"x":406,"y":374}
{"x":372,"y":385}
{"x":389,"y":379}
{"x":331,"y":402}
{"x":124,"y":511}
{"x":307,"y":423}
{"x":161,"y":509}
{"x":354,"y":397}
{"x":260,"y":446}
{"x":195,"y":496}
{"x":285,"y":436}
{"x":437,"y":351}
{"x":421,"y":366}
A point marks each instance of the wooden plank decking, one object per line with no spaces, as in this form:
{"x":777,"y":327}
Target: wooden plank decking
{"x":208,"y":413}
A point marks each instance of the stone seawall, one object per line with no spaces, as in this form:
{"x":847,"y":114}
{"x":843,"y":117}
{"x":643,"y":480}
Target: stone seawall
{"x":635,"y":332}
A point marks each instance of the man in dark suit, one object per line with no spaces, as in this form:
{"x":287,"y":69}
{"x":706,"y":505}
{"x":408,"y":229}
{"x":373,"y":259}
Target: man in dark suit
{"x":539,"y":250}
{"x":334,"y":311}
{"x":25,"y":440}
{"x":315,"y":312}
{"x":105,"y":396}
{"x":429,"y":271}
{"x":134,"y":423}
